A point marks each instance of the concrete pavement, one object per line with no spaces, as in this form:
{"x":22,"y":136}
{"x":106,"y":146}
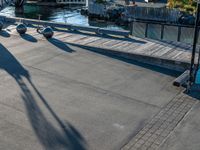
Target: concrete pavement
{"x":59,"y":96}
{"x":186,"y":135}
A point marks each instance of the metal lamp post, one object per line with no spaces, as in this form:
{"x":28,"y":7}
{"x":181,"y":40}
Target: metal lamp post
{"x":196,"y":33}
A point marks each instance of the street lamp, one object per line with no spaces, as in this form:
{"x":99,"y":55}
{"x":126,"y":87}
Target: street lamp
{"x":196,"y":33}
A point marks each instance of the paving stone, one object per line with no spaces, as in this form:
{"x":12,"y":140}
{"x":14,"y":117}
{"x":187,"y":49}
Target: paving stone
{"x":154,"y":146}
{"x":156,"y":131}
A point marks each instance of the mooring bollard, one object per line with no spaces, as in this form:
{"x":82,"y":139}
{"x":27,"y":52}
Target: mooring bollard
{"x":21,"y":28}
{"x":47,"y":32}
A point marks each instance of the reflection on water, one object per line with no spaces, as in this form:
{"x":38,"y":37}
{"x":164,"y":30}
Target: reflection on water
{"x":64,"y":15}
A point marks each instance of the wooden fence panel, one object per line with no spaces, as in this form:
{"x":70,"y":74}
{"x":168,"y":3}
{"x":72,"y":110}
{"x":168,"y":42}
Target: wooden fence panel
{"x":149,"y":13}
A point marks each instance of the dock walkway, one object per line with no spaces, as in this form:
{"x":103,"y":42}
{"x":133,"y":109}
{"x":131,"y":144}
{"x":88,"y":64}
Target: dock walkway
{"x":171,"y":55}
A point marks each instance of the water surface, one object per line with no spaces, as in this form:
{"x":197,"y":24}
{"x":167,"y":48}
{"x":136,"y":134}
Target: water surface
{"x":63,"y":14}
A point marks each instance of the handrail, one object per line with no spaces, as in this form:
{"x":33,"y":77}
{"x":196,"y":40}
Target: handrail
{"x":159,"y":34}
{"x":162,"y":23}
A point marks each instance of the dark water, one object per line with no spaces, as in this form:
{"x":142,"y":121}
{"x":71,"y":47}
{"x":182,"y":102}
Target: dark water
{"x":65,"y":15}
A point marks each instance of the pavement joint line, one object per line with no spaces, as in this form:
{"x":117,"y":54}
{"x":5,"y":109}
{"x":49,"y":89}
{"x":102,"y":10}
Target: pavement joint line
{"x":156,"y":131}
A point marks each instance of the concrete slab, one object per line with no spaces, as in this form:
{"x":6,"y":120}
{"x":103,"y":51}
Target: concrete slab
{"x":66,"y":97}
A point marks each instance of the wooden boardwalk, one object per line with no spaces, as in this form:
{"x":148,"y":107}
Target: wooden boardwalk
{"x":172,"y":51}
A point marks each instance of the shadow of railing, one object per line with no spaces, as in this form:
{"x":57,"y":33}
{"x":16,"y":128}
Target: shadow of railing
{"x":112,"y":55}
{"x":61,"y":45}
{"x":106,"y":36}
{"x":86,"y":33}
{"x":50,"y":137}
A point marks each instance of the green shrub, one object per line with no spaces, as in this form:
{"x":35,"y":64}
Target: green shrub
{"x":189,"y":8}
{"x":184,"y":5}
{"x":179,"y":5}
{"x":194,"y":4}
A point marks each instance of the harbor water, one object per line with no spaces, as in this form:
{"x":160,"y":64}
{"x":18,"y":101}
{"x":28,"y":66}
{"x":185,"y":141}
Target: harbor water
{"x":68,"y":14}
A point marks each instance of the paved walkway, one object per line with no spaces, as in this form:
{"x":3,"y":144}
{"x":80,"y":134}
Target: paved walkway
{"x":56,"y":95}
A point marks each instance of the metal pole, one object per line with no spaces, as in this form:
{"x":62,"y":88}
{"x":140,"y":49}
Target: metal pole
{"x":198,"y":60}
{"x":194,"y":44}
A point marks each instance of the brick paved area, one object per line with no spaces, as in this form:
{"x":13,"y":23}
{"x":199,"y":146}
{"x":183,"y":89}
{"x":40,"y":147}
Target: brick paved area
{"x":156,"y":130}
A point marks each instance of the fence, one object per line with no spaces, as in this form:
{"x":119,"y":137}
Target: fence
{"x":167,"y":32}
{"x":151,"y":13}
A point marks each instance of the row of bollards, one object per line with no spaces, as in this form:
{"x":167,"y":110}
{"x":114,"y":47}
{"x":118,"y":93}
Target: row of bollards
{"x":47,"y":31}
{"x":22,"y":28}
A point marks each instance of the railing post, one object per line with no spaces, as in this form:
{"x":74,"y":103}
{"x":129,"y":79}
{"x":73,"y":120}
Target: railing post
{"x":162,"y":32}
{"x":196,"y":34}
{"x":146,"y":30}
{"x":179,"y":34}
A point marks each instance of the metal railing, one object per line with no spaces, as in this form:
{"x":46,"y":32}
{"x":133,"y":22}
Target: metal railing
{"x":67,"y":26}
{"x":163,"y":31}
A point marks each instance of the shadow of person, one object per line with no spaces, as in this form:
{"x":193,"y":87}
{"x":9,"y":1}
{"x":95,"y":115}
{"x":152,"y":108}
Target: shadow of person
{"x":61,"y":45}
{"x":4,"y":33}
{"x":28,"y":37}
{"x":47,"y":134}
{"x":50,"y":137}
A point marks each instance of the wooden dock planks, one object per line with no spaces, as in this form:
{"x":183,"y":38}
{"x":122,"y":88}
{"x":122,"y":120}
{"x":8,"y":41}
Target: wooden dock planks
{"x":167,"y":50}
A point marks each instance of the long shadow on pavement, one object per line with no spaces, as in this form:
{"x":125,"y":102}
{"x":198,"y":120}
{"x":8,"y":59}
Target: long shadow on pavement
{"x":102,"y":36}
{"x":61,"y":45}
{"x":50,"y":137}
{"x":28,"y":37}
{"x":144,"y":65}
{"x":4,"y":33}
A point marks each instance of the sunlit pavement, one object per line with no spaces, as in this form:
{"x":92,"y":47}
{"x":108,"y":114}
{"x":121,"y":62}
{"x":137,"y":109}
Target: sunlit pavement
{"x":65,"y":97}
